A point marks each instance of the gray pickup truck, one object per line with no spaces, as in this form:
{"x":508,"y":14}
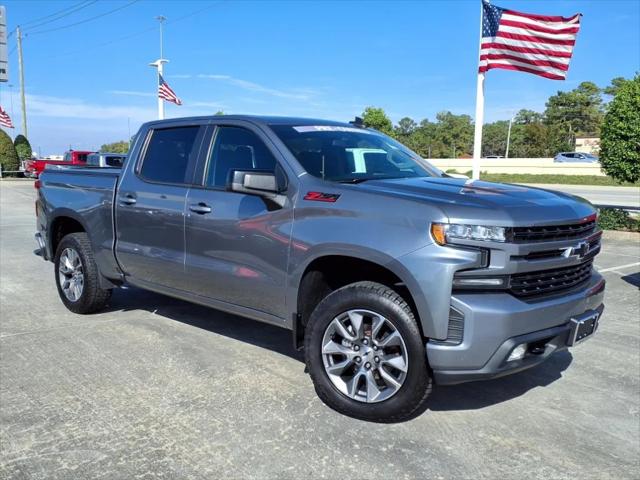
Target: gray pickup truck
{"x":391,"y":275}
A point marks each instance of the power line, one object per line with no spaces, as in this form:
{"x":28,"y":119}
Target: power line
{"x":138,"y":33}
{"x":58,"y":15}
{"x":86,"y":20}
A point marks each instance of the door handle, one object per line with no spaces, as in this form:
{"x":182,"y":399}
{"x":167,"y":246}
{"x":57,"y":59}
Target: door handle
{"x":128,"y":199}
{"x":200,"y":208}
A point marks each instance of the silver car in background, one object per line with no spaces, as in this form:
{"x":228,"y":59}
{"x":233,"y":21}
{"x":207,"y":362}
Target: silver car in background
{"x":566,"y":157}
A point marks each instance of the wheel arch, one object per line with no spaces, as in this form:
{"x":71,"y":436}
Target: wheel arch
{"x":326,"y":272}
{"x":63,"y":222}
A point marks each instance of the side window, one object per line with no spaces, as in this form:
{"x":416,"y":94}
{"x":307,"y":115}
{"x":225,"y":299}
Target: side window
{"x":167,"y":156}
{"x":237,"y":148}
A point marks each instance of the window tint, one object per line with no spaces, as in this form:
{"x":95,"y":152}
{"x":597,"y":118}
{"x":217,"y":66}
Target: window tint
{"x":237,"y":149}
{"x":167,"y":156}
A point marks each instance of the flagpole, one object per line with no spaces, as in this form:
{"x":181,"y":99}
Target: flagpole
{"x":479,"y":118}
{"x":160,"y":100}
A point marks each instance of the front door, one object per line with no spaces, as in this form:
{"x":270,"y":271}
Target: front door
{"x":236,"y":244}
{"x":150,"y":206}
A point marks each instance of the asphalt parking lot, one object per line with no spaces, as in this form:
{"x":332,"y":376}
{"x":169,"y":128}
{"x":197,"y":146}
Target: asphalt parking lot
{"x":159,"y":388}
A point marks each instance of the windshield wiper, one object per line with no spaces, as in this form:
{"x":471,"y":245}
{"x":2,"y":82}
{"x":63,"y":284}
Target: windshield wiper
{"x":365,"y":179}
{"x":355,"y":180}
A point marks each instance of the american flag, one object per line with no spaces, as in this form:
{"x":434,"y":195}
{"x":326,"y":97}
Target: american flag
{"x":5,"y":120}
{"x":165,"y":92}
{"x":537,"y":44}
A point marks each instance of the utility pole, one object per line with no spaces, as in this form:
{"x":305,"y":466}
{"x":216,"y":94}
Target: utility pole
{"x":506,"y":153}
{"x":21,"y":67}
{"x":159,"y":64}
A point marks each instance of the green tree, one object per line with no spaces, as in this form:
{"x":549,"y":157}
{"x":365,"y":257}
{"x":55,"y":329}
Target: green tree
{"x":23,"y":147}
{"x":220,"y":112}
{"x":525,"y":117}
{"x":376,"y":118}
{"x":406,"y":126}
{"x":453,"y":136}
{"x":494,"y":138}
{"x":577,"y":112}
{"x":121,"y":146}
{"x":531,"y":141}
{"x":8,"y":156}
{"x":620,"y":139}
{"x":615,"y":85}
{"x":421,"y":137}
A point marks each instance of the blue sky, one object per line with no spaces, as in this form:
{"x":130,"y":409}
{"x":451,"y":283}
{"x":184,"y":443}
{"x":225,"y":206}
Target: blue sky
{"x":87,"y":84}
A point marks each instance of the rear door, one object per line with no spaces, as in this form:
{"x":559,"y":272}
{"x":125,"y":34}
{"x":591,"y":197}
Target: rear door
{"x":150,"y":205}
{"x":237,"y":245}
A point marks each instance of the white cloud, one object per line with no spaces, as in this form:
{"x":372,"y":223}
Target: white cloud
{"x":294,"y":94}
{"x":57,"y":122}
{"x":205,"y":104}
{"x":61,"y":107}
{"x":132,"y":93}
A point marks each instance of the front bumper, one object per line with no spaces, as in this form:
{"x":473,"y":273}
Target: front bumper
{"x":495,"y":323}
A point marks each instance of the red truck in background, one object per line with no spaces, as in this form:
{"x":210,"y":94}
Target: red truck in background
{"x":33,"y":168}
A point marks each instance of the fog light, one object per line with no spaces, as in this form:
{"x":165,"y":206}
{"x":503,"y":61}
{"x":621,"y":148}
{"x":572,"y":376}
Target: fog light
{"x":518,"y":352}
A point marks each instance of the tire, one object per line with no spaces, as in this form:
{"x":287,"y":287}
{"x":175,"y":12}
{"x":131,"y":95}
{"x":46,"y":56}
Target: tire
{"x":386,"y":307}
{"x":89,"y":297}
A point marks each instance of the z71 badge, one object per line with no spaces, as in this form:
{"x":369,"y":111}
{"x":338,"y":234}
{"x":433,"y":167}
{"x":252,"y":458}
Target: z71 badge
{"x":322,"y":197}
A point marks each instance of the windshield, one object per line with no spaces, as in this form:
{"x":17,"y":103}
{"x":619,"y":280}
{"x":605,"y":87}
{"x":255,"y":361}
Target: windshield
{"x":351,"y":154}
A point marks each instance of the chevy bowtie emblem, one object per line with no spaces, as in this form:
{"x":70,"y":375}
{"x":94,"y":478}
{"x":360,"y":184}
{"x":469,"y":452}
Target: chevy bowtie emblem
{"x":580,"y":250}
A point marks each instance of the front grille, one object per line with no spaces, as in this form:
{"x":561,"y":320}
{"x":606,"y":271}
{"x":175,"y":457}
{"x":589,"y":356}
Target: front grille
{"x":594,"y":249}
{"x":553,"y":232}
{"x":550,"y":281}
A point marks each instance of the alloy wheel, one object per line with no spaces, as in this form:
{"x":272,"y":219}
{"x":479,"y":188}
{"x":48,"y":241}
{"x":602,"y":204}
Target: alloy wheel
{"x":71,"y":274}
{"x":364,"y":356}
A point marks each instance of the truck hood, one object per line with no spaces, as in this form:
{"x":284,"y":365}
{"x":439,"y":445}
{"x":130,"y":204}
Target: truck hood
{"x":500,"y":204}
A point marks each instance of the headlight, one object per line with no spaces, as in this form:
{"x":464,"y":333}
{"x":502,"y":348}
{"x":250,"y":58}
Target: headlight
{"x":444,"y":233}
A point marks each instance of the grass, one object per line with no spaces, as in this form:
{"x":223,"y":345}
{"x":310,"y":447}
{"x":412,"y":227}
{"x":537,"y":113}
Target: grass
{"x":552,"y":179}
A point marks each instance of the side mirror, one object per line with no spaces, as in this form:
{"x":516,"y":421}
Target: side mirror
{"x":253,"y":182}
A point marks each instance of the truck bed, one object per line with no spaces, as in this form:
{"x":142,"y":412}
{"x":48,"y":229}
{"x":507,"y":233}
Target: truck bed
{"x":86,"y":194}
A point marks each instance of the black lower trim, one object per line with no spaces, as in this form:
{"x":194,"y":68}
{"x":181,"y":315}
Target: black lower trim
{"x":298,"y":332}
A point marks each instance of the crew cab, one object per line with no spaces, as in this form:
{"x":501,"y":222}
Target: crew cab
{"x":391,"y":275}
{"x":34,"y":167}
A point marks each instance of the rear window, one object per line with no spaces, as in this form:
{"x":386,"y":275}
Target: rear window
{"x":167,"y":156}
{"x":113,"y":161}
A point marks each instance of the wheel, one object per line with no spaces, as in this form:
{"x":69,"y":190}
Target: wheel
{"x":77,"y":275}
{"x":366,"y":356}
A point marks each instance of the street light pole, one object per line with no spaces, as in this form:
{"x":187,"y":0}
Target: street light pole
{"x":159,"y":64}
{"x":506,"y":153}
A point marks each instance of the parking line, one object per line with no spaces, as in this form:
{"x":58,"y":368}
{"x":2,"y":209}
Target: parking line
{"x":613,"y":269}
